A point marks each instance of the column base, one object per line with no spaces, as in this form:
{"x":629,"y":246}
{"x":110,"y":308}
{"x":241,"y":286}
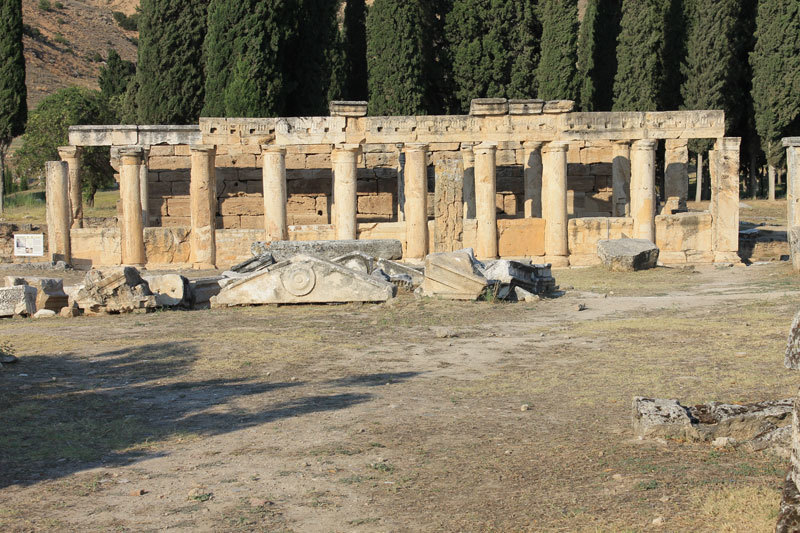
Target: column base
{"x":558,"y":261}
{"x":204,"y":266}
{"x":728,"y":257}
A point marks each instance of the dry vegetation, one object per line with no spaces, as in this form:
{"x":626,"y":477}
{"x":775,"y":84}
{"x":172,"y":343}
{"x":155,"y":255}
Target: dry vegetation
{"x":404,"y":416}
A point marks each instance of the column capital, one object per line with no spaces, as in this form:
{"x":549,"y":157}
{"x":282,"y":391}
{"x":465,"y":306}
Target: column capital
{"x":416,"y":147}
{"x":791,"y":142}
{"x":273,"y":149}
{"x":556,"y":146}
{"x":532,"y":145}
{"x":67,"y":152}
{"x":485,"y":147}
{"x":131,"y":155}
{"x":644,"y":144}
{"x":622,"y":142}
{"x":728,"y":144}
{"x":203,"y":148}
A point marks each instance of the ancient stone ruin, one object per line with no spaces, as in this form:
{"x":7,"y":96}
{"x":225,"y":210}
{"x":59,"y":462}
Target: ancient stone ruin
{"x":513,"y":179}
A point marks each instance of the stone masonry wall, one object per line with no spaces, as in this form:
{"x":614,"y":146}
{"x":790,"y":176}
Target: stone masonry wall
{"x":309,"y":183}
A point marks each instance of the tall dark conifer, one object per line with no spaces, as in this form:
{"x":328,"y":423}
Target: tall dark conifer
{"x":354,"y":38}
{"x":776,"y":75}
{"x":13,"y":92}
{"x":597,"y":54}
{"x":399,"y":58}
{"x":557,"y":72}
{"x":639,"y":81}
{"x":170,"y":70}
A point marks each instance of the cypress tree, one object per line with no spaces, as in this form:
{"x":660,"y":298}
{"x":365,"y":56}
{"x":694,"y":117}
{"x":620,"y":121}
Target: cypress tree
{"x":640,"y":55}
{"x":115,"y":75}
{"x":246,"y":50}
{"x":354,"y":38}
{"x":557,"y":73}
{"x":776,"y":75}
{"x":13,"y":92}
{"x":170,"y":69}
{"x":495,"y":48}
{"x":597,"y":54}
{"x":399,"y":58}
{"x":314,"y":49}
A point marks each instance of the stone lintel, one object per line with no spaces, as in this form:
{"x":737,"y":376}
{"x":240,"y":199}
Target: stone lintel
{"x":416,"y":147}
{"x":791,"y":141}
{"x":353,"y":109}
{"x":525,"y":107}
{"x":202,"y":148}
{"x":482,"y":107}
{"x":554,"y":107}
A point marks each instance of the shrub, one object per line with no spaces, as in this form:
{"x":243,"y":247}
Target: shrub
{"x":129,"y":23}
{"x":45,"y":5}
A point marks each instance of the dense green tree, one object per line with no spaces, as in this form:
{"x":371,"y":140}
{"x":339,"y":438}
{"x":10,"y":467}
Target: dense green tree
{"x":400,"y":58}
{"x":13,"y":92}
{"x":776,"y":75}
{"x":597,"y":54}
{"x":247,"y":50}
{"x":48,"y":128}
{"x":495,"y":49}
{"x":315,"y":50}
{"x":557,"y":73}
{"x":711,"y":70}
{"x":171,"y":65}
{"x":640,"y":54}
{"x":354,"y":39}
{"x":676,"y":35}
{"x":115,"y":75}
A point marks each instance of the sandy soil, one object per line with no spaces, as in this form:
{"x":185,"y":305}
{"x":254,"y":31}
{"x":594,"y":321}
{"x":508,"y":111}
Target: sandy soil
{"x":405,"y":416}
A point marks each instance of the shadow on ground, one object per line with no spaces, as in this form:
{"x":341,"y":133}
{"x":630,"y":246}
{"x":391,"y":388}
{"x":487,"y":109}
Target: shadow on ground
{"x":63,"y":414}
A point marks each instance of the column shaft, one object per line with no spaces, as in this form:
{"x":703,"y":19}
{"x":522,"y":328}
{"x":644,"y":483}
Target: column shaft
{"x":468,"y":156}
{"x":274,"y":176}
{"x":203,"y":195}
{"x":533,"y":179}
{"x":345,"y":191}
{"x":59,"y":215}
{"x":621,"y":179}
{"x":486,"y":200}
{"x":416,"y":204}
{"x":144,"y":187}
{"x":132,"y":231}
{"x":554,"y":203}
{"x":724,"y":162}
{"x":676,"y":169}
{"x":643,"y":189}
{"x":72,"y":156}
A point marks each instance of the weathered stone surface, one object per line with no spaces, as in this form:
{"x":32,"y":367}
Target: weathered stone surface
{"x":49,"y":291}
{"x":69,"y":312}
{"x":536,"y":279}
{"x":482,"y":107}
{"x":794,"y":246}
{"x":525,"y":107}
{"x":449,"y":205}
{"x":741,"y":422}
{"x":627,"y":255}
{"x":170,"y":290}
{"x":44,"y":313}
{"x":394,"y":270}
{"x":114,"y":290}
{"x":453,"y":276}
{"x":203,"y":289}
{"x":358,"y":261}
{"x":789,"y":515}
{"x":17,"y":301}
{"x":348,"y":109}
{"x":304,"y":279}
{"x":792,"y":358}
{"x":661,"y":418}
{"x":284,"y":250}
{"x":255,"y":264}
{"x":558,"y":106}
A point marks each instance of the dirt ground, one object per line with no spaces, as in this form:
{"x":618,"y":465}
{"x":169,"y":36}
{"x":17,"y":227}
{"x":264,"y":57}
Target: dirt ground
{"x":405,"y":416}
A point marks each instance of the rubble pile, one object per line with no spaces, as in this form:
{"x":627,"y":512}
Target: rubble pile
{"x":114,"y":290}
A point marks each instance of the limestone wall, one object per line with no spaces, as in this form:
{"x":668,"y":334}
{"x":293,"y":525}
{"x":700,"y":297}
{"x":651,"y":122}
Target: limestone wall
{"x":684,"y":238}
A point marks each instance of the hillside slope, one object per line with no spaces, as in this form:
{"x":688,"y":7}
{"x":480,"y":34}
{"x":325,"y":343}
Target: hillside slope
{"x":62,"y":45}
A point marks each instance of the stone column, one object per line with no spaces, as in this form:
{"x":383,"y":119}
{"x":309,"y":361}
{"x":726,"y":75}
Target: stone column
{"x":132,"y":228}
{"x":203,"y":196}
{"x":72,"y":156}
{"x":416,"y":205}
{"x":698,"y":195}
{"x":401,"y":183}
{"x":144,"y":187}
{"x":792,"y":145}
{"x":449,"y":205}
{"x":676,"y":169}
{"x":59,"y":215}
{"x":554,"y":203}
{"x":643,"y":189}
{"x":621,"y":179}
{"x":771,"y":182}
{"x":345,"y":189}
{"x":274,"y":176}
{"x":486,"y":200}
{"x":724,"y":164}
{"x":468,"y":158}
{"x":533,"y":179}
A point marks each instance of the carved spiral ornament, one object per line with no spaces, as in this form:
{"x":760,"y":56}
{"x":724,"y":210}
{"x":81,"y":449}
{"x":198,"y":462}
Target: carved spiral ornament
{"x":299,"y":280}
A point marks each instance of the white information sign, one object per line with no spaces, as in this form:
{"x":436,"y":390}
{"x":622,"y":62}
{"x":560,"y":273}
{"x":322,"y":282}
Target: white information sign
{"x":29,"y":245}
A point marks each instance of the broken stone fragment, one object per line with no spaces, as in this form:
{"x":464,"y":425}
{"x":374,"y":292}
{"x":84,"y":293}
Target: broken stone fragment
{"x":358,"y":261}
{"x":203,"y":289}
{"x":114,"y":290}
{"x":654,"y":417}
{"x":285,"y":250}
{"x":304,"y":279}
{"x":170,"y":290}
{"x":453,"y":276}
{"x":254,"y":264}
{"x":792,"y":357}
{"x":49,"y":291}
{"x":536,"y":279}
{"x":398,"y":271}
{"x":627,"y":255}
{"x":17,"y":301}
{"x":44,"y":313}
